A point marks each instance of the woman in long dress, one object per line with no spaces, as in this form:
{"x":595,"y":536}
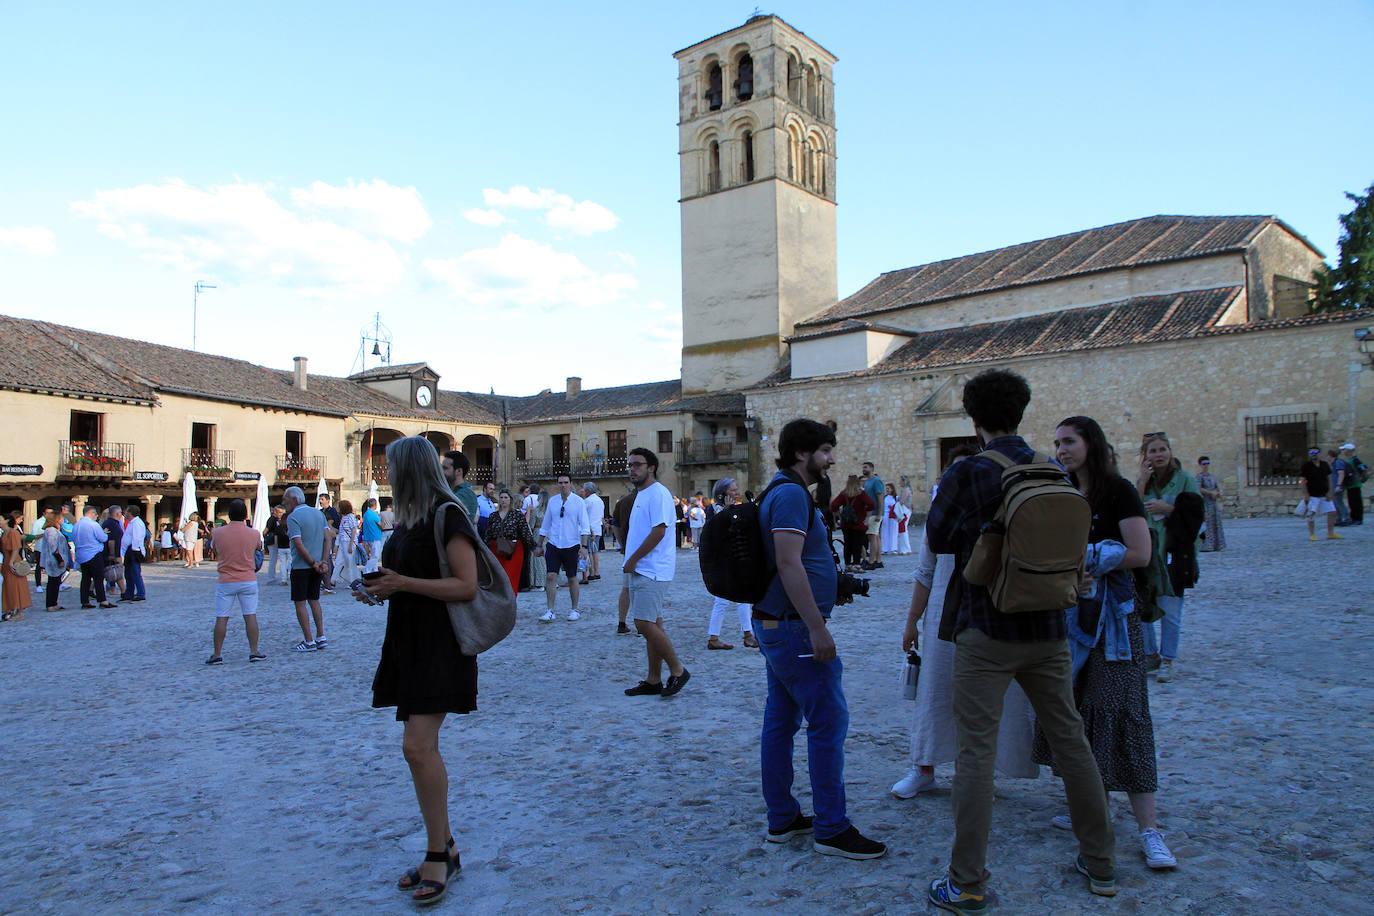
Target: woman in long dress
{"x":888,"y":530}
{"x":933,"y":739}
{"x":538,"y":566}
{"x":1210,"y":488}
{"x":345,"y":563}
{"x":16,"y":598}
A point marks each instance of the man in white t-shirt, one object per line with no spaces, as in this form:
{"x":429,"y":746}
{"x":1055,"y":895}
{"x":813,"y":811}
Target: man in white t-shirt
{"x":650,"y":557}
{"x":596,"y":515}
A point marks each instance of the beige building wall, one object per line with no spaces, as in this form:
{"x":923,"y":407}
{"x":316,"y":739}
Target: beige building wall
{"x":1277,"y":255}
{"x":1200,"y":392}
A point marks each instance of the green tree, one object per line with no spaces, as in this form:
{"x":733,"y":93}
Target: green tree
{"x":1350,"y":284}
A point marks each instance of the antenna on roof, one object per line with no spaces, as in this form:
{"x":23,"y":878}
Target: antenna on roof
{"x":379,"y":336}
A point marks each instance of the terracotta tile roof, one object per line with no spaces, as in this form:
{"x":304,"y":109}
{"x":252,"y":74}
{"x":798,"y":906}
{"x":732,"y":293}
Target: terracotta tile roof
{"x":41,"y":358}
{"x":623,"y":401}
{"x":396,"y":371}
{"x":1145,"y":319}
{"x":1152,"y":240}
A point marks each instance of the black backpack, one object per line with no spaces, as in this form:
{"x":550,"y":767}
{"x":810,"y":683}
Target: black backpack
{"x":734,"y":564}
{"x":846,"y":517}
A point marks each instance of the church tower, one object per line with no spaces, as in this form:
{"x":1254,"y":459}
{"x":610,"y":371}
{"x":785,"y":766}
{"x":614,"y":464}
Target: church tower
{"x":756,"y":146}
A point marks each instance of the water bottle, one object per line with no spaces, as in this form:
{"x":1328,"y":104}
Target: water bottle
{"x":911,"y":676}
{"x":582,"y":566}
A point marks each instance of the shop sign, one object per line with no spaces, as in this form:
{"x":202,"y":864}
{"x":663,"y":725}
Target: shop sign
{"x":247,"y":475}
{"x":22,"y":470}
{"x":153,"y":476}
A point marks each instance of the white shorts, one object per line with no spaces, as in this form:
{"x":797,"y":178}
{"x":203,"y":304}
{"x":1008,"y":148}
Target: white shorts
{"x":646,"y":597}
{"x":1315,"y":505}
{"x":226,"y":593}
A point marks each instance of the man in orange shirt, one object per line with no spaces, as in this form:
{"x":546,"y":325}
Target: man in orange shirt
{"x":235,"y":547}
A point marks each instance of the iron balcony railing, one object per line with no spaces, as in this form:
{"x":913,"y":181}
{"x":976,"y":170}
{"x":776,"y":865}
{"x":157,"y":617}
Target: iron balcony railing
{"x":296,"y":470}
{"x":477,"y":474}
{"x":95,"y":459}
{"x":208,"y":463}
{"x":541,"y":469}
{"x":376,"y":471}
{"x":719,"y":452}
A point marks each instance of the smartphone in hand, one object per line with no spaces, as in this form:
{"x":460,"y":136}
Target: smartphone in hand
{"x":359,"y":590}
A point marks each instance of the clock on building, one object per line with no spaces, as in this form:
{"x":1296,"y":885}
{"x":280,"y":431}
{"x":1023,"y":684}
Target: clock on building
{"x":423,"y":396}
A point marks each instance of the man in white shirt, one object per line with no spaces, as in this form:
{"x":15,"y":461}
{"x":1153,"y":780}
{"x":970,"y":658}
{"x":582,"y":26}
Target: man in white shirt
{"x":528,"y":500}
{"x":565,"y":531}
{"x":486,"y":505}
{"x":132,"y":548}
{"x":650,"y":559}
{"x":596,"y":515}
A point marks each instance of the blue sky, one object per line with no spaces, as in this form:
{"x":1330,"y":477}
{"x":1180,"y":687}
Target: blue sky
{"x":500,"y":181}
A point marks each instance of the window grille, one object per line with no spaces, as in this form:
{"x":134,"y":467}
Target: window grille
{"x":1276,"y":446}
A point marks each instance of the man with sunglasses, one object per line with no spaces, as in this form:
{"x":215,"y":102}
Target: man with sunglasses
{"x":565,"y":532}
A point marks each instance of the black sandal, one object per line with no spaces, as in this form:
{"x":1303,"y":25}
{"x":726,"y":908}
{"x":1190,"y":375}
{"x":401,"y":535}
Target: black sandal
{"x":411,"y":879}
{"x":436,"y":889}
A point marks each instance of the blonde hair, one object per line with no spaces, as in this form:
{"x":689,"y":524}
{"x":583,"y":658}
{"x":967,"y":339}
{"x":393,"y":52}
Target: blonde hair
{"x":418,"y":485}
{"x":852,"y":487}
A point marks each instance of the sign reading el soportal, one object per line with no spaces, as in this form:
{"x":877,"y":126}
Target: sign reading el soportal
{"x":22,"y":470}
{"x":247,"y":475}
{"x":154,"y":476}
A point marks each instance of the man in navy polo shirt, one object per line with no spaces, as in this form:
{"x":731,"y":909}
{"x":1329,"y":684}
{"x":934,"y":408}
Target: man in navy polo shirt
{"x":804,"y":671}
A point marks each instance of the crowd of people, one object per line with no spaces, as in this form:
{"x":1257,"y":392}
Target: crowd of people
{"x":998,"y":691}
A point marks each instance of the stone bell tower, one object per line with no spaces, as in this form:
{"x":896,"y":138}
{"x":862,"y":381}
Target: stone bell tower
{"x":756,"y":147}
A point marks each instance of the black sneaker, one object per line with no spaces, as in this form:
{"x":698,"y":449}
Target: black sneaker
{"x":1102,"y":885}
{"x":676,"y":683}
{"x":1152,"y":662}
{"x":851,"y":844}
{"x":644,"y":689}
{"x":214,"y":660}
{"x":622,"y":630}
{"x":800,"y":824}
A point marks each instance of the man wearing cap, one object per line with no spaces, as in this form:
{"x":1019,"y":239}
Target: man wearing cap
{"x":1338,"y":481}
{"x":1315,"y":479}
{"x":1355,"y":473}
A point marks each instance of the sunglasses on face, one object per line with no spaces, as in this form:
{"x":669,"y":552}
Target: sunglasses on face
{"x":1148,"y":436}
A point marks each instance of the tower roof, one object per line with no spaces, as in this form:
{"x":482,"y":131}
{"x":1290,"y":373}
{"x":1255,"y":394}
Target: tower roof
{"x":750,"y":23}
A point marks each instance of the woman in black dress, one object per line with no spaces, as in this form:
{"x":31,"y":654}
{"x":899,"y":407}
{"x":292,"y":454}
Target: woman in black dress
{"x":1112,"y":695}
{"x":422,"y":672}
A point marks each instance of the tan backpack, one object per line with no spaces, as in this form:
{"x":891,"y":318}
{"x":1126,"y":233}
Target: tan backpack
{"x":1030,"y":556}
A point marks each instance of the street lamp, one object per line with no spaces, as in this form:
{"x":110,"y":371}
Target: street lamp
{"x":195,"y":308}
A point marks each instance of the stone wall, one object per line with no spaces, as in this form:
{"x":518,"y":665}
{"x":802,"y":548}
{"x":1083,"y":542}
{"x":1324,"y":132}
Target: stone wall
{"x":1275,"y":260}
{"x":1200,"y":392}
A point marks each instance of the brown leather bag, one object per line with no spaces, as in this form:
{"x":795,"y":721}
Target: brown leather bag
{"x":505,"y":547}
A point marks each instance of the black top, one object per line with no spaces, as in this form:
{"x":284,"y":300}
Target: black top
{"x":513,"y":526}
{"x":275,"y":532}
{"x":1317,"y":473}
{"x":1122,"y":500}
{"x":422,"y":671}
{"x":332,"y":516}
{"x":116,"y":533}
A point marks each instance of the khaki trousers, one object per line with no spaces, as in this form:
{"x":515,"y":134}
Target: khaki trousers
{"x":983,"y":668}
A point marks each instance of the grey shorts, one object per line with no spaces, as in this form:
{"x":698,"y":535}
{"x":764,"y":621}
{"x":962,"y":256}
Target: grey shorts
{"x":646,"y":597}
{"x":595,"y":545}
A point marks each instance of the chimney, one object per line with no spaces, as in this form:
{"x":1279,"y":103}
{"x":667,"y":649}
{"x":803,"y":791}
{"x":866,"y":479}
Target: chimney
{"x":299,"y":380}
{"x":574,"y":386}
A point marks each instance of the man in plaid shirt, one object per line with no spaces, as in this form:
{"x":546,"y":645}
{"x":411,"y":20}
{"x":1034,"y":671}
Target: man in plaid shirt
{"x":991,"y":648}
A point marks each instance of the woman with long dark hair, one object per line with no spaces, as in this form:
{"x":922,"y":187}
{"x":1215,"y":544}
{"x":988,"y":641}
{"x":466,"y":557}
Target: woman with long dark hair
{"x":1162,"y":481}
{"x":423,"y":671}
{"x":1106,"y":640}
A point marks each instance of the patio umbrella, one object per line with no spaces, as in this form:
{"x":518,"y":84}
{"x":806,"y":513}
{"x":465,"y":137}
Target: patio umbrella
{"x":372,"y":492}
{"x":321,"y":490}
{"x":261,"y":510}
{"x":188,"y":498}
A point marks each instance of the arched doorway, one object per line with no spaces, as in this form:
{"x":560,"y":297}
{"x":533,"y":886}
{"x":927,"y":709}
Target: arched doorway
{"x":373,"y":461}
{"x":442,"y":442}
{"x":480,"y":451}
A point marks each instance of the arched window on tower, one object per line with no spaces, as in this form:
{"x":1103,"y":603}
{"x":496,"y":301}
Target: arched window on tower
{"x":794,"y":80}
{"x":794,"y":155}
{"x":748,"y":143}
{"x":811,"y":105}
{"x":808,"y":163}
{"x":713,"y":167}
{"x":714,"y":92}
{"x":744,"y":86}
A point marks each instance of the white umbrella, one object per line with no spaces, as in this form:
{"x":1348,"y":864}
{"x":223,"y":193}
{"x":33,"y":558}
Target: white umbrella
{"x":188,"y":498}
{"x":372,"y":492}
{"x":261,"y":510}
{"x":321,"y":490}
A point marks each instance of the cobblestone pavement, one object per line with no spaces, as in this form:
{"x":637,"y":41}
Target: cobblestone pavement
{"x":139,"y":780}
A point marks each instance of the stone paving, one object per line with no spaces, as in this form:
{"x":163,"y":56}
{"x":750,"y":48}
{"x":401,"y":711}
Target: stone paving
{"x":139,"y":780}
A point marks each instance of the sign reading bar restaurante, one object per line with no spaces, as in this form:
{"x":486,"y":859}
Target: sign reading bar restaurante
{"x":22,"y":470}
{"x":157,"y":476}
{"x":247,"y":475}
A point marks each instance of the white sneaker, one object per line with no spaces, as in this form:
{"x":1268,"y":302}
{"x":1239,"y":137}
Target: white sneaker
{"x":1166,"y":671}
{"x":573,"y":615}
{"x":548,"y":617}
{"x":1157,"y":854}
{"x":1062,"y":821}
{"x":913,"y":784}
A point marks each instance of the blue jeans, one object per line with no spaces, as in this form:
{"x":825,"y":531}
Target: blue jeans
{"x":802,"y":688}
{"x":133,"y":576}
{"x":1171,"y":628}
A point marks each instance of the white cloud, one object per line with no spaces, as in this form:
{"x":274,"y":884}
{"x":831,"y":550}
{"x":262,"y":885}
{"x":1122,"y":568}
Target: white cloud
{"x":370,"y":207}
{"x":35,"y":240}
{"x":484,"y":217}
{"x":521,"y":272}
{"x":243,"y":230}
{"x":562,"y":212}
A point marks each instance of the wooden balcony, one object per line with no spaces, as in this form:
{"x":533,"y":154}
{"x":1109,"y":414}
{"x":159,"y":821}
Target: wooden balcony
{"x":95,"y":460}
{"x":579,"y":468}
{"x":208,"y":463}
{"x":721,"y":451}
